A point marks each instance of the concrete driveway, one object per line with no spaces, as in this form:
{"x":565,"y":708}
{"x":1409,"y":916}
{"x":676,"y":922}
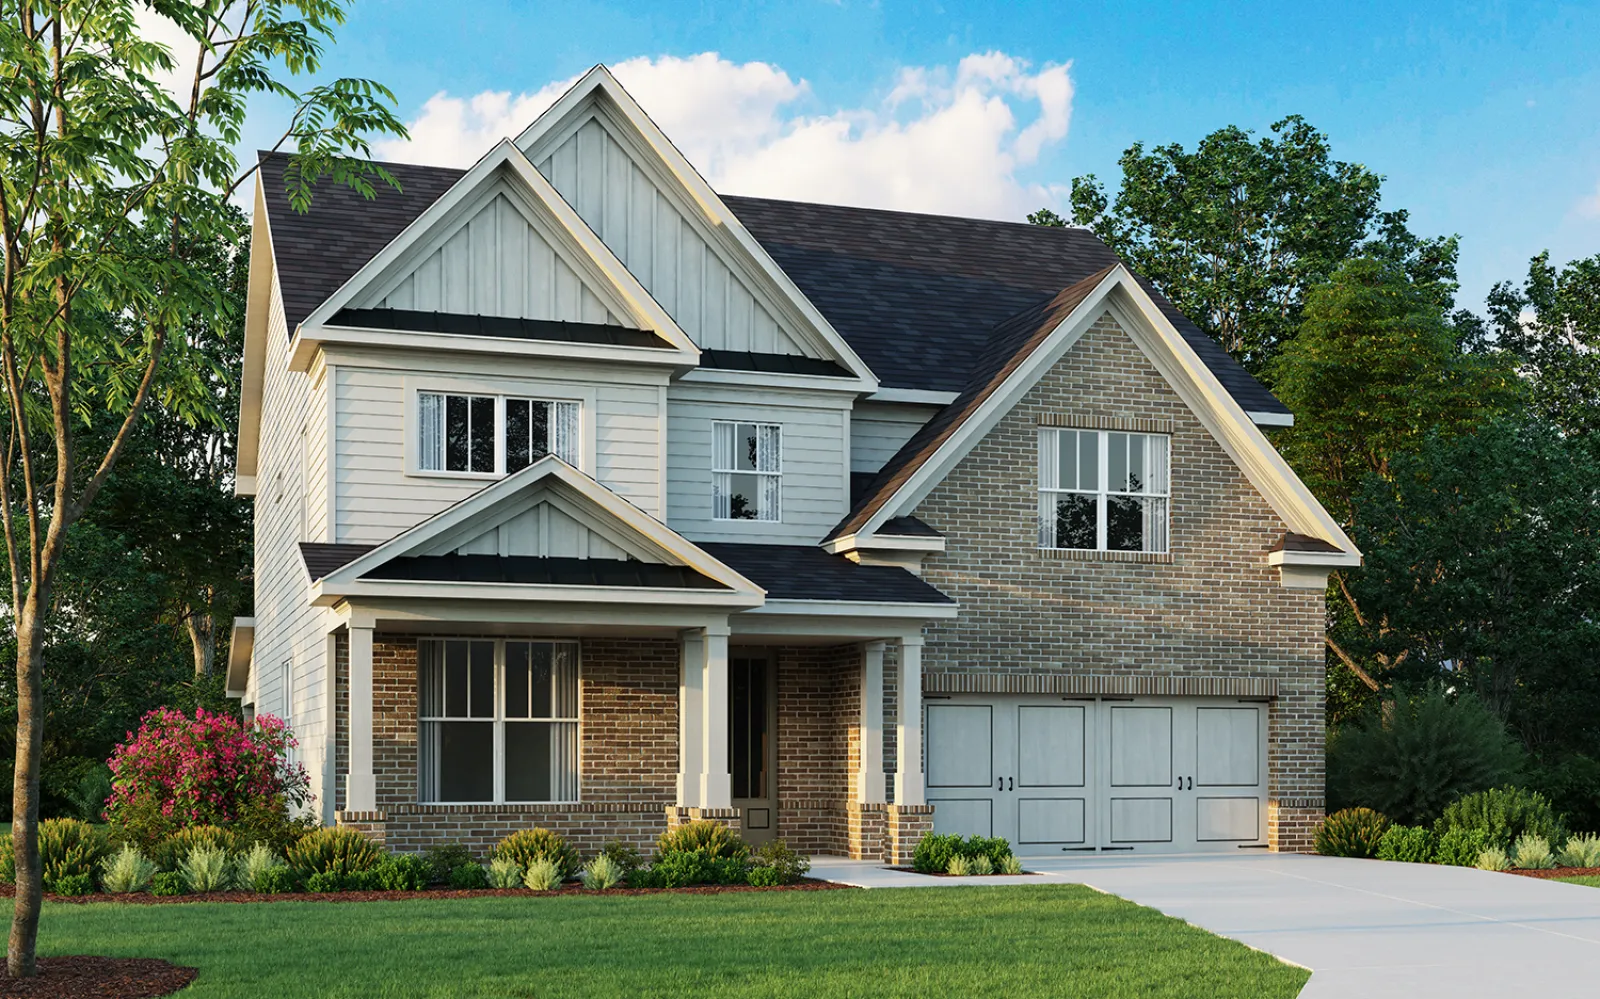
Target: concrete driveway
{"x":1367,"y":929}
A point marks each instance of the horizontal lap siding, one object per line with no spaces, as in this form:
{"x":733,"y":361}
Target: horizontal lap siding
{"x":877,"y":431}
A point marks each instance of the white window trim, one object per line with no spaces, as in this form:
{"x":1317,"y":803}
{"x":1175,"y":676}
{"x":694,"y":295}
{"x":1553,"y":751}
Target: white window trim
{"x":777,"y":517}
{"x":1102,"y":492}
{"x":499,"y":388}
{"x":499,"y":719}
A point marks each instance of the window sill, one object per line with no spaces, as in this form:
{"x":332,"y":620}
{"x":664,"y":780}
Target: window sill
{"x":1080,"y":555}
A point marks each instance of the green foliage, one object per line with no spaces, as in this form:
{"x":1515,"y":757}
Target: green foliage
{"x":70,"y":848}
{"x":338,"y":850}
{"x":255,"y":866}
{"x":623,"y":855}
{"x":1532,"y":853}
{"x":704,"y":836}
{"x":206,"y":868}
{"x":933,"y":852}
{"x":1010,"y":865}
{"x":683,"y":868}
{"x":543,"y":874}
{"x":469,"y":876}
{"x":1460,"y":847}
{"x":168,"y":883}
{"x":71,"y":884}
{"x":995,"y":848}
{"x":1352,"y":832}
{"x":1492,"y":859}
{"x":1582,"y":850}
{"x":445,"y":859}
{"x":529,"y":845}
{"x":1407,"y":844}
{"x":1502,"y":815}
{"x":126,"y":871}
{"x":169,"y":853}
{"x":764,"y":877}
{"x":1411,"y":756}
{"x":403,"y":872}
{"x":602,"y":873}
{"x":275,"y":880}
{"x":981,"y":865}
{"x":326,"y":882}
{"x":960,"y":866}
{"x":1235,"y":232}
{"x":776,"y":856}
{"x":1552,"y":326}
{"x":505,"y":873}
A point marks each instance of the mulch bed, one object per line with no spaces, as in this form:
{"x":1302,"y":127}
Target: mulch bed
{"x":1560,"y":872}
{"x":808,"y":884}
{"x":85,"y":977}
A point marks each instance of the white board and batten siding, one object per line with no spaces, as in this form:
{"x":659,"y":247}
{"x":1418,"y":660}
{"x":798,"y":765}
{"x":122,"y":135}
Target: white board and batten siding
{"x":380,"y":491}
{"x":544,"y":526}
{"x":879,"y":429}
{"x":651,"y":232}
{"x":814,"y":491}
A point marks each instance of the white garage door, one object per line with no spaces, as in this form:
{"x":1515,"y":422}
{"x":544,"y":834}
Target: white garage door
{"x":1055,"y":774}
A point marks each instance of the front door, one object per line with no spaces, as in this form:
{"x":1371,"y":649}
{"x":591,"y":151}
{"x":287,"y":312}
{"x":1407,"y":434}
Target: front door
{"x":752,"y":704}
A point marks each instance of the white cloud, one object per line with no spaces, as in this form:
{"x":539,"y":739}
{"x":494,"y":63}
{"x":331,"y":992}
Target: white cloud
{"x":940,"y":140}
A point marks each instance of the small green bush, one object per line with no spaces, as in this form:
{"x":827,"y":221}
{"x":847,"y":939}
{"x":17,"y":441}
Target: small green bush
{"x":1459,"y":847}
{"x":68,"y":848}
{"x":168,"y":883}
{"x":274,"y":880}
{"x":713,"y":839}
{"x":544,"y":874}
{"x":403,"y":872}
{"x":1493,"y":859}
{"x":126,"y":871}
{"x":960,"y":866}
{"x":323,"y":882}
{"x":934,"y":852}
{"x":765,"y":877}
{"x":682,"y":868}
{"x":1011,"y":865}
{"x":340,"y":850}
{"x":776,"y":856}
{"x":505,"y":873}
{"x":1407,"y":844}
{"x":981,"y":865}
{"x":169,"y":853}
{"x":624,"y":856}
{"x":206,"y":869}
{"x":469,"y":876}
{"x":995,"y":848}
{"x":254,"y":864}
{"x":445,"y":859}
{"x":1354,"y":832}
{"x":72,"y":884}
{"x":1503,"y":814}
{"x":1582,"y":850}
{"x":529,"y":845}
{"x":1532,"y":853}
{"x":602,"y":873}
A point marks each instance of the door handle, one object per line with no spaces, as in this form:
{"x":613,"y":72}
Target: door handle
{"x":1012,"y":784}
{"x":999,"y":783}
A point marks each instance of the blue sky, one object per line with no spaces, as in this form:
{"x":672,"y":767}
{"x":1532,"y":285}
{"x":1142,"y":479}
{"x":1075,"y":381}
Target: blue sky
{"x":1483,"y":117}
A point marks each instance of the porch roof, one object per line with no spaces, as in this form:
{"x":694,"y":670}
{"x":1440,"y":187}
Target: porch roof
{"x":806,"y":572}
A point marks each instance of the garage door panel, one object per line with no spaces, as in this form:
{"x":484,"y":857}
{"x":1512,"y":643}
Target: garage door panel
{"x":1227,"y":819}
{"x":1141,"y":746}
{"x":1050,"y":745}
{"x":1051,"y":821}
{"x":1141,"y":820}
{"x":960,"y":745}
{"x":1228,"y":746}
{"x":964,"y":816}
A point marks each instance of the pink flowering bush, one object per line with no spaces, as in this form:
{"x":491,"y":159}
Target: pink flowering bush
{"x":210,"y":769}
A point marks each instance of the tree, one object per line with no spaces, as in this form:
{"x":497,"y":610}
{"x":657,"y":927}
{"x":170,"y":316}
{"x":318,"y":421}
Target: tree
{"x":1238,"y":231}
{"x":93,"y":319}
{"x":1552,"y":326}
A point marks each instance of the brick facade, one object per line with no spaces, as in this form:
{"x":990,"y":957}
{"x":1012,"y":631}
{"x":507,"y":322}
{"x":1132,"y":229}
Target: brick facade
{"x":1213,"y":608}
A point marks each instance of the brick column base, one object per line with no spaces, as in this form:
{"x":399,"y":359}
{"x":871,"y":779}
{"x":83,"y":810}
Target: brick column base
{"x":905,"y":827}
{"x":867,"y":829}
{"x":678,"y":815}
{"x":1292,"y":824}
{"x":373,"y":825}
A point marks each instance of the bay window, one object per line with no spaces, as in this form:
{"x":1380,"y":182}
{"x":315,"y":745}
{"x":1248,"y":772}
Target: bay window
{"x":499,"y":721}
{"x":492,"y":434}
{"x":746,"y":471}
{"x":1101,"y":490}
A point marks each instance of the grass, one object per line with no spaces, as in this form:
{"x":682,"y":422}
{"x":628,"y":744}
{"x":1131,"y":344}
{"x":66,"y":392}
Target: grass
{"x":1021,"y":941}
{"x":1591,"y":880}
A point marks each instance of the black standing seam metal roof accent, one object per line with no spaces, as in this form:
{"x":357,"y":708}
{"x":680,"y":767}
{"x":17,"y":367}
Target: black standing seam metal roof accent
{"x":785,"y":364}
{"x":461,"y":324}
{"x":545,"y":570}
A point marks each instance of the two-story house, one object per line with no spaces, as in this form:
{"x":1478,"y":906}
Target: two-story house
{"x":587,"y":498}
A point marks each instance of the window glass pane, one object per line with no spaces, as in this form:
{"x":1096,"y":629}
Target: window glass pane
{"x":722,"y":446}
{"x":482,"y":433}
{"x":539,"y":430}
{"x":539,"y":660}
{"x":1067,"y":460}
{"x":1137,"y":478}
{"x":455,"y":679}
{"x":1158,"y":464}
{"x":744,"y":497}
{"x":517,"y":453}
{"x":517,"y":699}
{"x":456,"y":433}
{"x":458,"y":761}
{"x":541,"y":761}
{"x":481,"y":700}
{"x":1125,"y":524}
{"x":1088,"y":460}
{"x":430,"y":427}
{"x":1117,"y":462}
{"x":563,"y":418}
{"x":1155,"y":525}
{"x":745,"y":451}
{"x":769,"y":449}
{"x":430,"y":680}
{"x":564,"y":680}
{"x":1077,"y":521}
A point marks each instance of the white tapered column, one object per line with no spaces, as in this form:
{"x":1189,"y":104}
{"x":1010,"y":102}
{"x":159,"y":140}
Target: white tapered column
{"x":908,"y":781}
{"x":870,"y":784}
{"x":716,"y":784}
{"x":361,"y":787}
{"x":691,"y":705}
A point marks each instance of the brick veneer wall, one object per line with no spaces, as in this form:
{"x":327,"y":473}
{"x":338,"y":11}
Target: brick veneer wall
{"x":819,"y":749}
{"x":1214,"y":608}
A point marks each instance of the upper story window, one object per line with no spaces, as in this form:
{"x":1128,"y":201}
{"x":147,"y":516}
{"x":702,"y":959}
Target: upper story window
{"x":492,"y":434}
{"x":746,"y":471}
{"x":1101,"y":490}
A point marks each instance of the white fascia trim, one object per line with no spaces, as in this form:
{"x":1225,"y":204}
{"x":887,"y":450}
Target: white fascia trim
{"x":861,"y":541}
{"x":643,"y":309}
{"x":252,"y":376}
{"x":599,"y":78}
{"x":324,"y":594}
{"x":920,"y":397}
{"x":772,"y":379}
{"x":1322,"y":560}
{"x":1261,"y":419}
{"x":240,"y":650}
{"x":856,"y":608}
{"x":312,"y":338}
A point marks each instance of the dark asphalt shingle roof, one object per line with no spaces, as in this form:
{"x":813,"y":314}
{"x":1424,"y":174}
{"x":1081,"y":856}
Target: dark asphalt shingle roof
{"x":321,"y":559}
{"x":806,"y":572}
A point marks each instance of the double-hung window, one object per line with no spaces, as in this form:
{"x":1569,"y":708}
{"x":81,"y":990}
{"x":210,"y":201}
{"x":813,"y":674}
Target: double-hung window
{"x":746,"y":471}
{"x":492,"y":434}
{"x":1102,"y":490}
{"x":499,"y":720}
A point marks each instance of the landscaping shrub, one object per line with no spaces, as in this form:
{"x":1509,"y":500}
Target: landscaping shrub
{"x":69,"y":848}
{"x":403,"y":872}
{"x":71,"y":884}
{"x":602,"y":873}
{"x":1407,"y":844}
{"x":1459,"y":847}
{"x":529,"y":845}
{"x":1493,"y":859}
{"x":1011,"y":865}
{"x":960,"y":866}
{"x":1582,"y":850}
{"x":340,"y":850}
{"x":624,"y":856}
{"x":255,"y":864}
{"x":1353,"y":832}
{"x":1532,"y":853}
{"x":994,"y":848}
{"x":934,"y":852}
{"x":787,"y":865}
{"x":205,"y":868}
{"x":543,"y":874}
{"x":326,"y":881}
{"x":469,"y":876}
{"x":980,"y":865}
{"x":126,"y":871}
{"x":168,"y":883}
{"x":445,"y":859}
{"x":764,"y":877}
{"x":169,"y":853}
{"x":1410,"y":757}
{"x":505,"y":873}
{"x":713,"y":839}
{"x":274,"y":880}
{"x":683,"y":868}
{"x":209,"y":769}
{"x":1503,"y":814}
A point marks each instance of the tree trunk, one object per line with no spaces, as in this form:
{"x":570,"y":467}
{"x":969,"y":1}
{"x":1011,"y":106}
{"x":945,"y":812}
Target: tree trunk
{"x":25,"y":793}
{"x":202,"y":629}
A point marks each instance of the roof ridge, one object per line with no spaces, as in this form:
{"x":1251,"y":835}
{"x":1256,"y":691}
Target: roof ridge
{"x":907,"y":213}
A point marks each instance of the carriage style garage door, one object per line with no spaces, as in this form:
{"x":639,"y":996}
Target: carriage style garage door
{"x":1144,"y":774}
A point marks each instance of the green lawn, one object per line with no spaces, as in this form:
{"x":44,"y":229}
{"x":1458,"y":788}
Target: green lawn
{"x":1012,"y":941}
{"x":1593,"y":881}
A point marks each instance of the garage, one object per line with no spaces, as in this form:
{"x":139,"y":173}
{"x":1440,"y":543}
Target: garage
{"x":1057,"y":774}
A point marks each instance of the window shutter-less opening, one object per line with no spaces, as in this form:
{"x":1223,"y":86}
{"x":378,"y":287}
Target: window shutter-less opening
{"x":493,"y":435}
{"x":747,"y":471}
{"x":1103,"y":491}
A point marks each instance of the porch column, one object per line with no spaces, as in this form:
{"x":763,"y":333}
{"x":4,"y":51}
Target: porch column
{"x":908,"y":784}
{"x":869,"y":782}
{"x":361,"y":789}
{"x":716,"y":783}
{"x":691,"y":697}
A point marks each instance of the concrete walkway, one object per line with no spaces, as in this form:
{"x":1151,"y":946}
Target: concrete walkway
{"x":1367,"y":929}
